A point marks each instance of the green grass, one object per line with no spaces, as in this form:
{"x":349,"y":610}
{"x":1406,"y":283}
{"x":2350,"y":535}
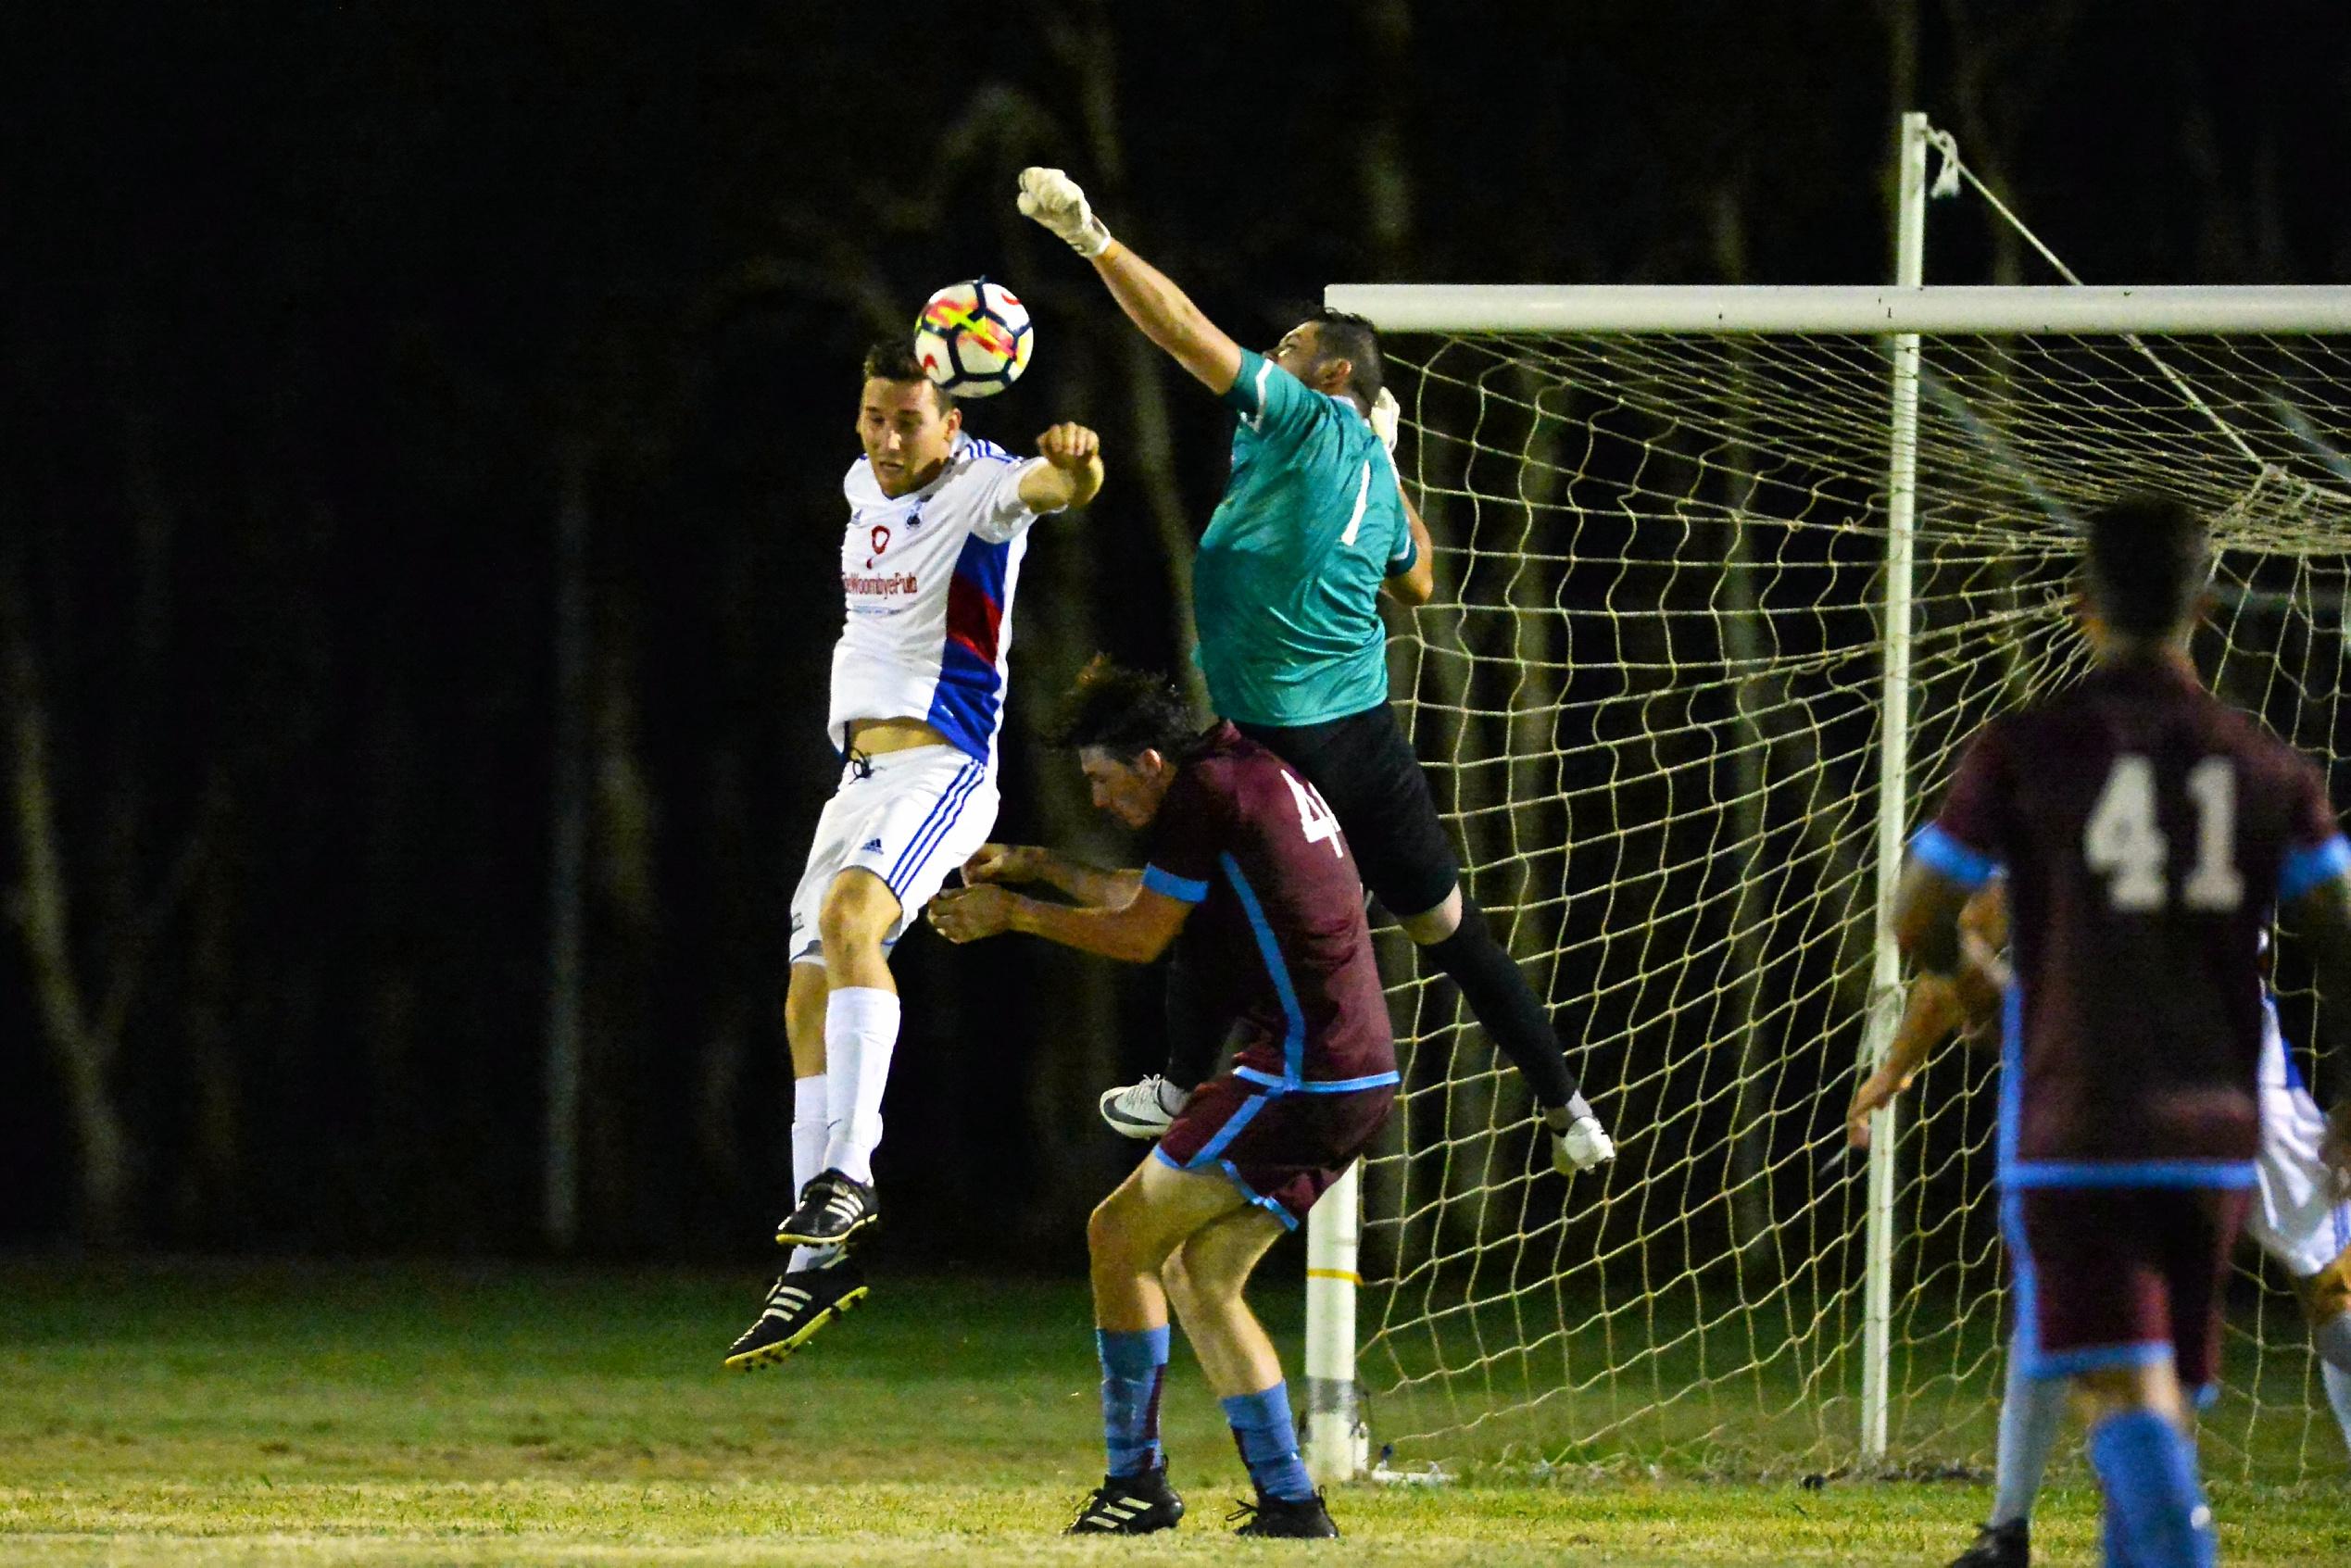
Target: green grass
{"x":384,"y":1414}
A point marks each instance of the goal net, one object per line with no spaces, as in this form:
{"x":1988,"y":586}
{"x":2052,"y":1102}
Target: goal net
{"x":1652,"y":698}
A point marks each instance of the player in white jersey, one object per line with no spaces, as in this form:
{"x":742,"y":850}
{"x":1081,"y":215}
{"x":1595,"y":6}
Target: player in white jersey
{"x":939,"y":521}
{"x":2300,"y":1217}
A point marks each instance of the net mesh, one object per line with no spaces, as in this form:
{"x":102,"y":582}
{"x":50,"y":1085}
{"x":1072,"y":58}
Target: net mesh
{"x":1648,"y":696}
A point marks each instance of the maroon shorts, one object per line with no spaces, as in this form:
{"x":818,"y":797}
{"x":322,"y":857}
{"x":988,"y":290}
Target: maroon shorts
{"x":1283,"y":1149}
{"x":2121,"y":1276}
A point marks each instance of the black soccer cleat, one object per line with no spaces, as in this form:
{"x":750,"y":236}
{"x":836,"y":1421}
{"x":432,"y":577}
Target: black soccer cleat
{"x":1999,"y":1546}
{"x":1303,"y":1520}
{"x":1129,"y":1505}
{"x":834,"y":1211}
{"x":797,"y":1305}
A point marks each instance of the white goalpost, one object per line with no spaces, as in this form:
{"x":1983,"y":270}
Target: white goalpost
{"x":1727,"y":576}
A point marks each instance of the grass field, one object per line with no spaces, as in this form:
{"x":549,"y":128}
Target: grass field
{"x":384,"y":1414}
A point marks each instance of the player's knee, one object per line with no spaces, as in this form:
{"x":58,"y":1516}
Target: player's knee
{"x":1108,"y":1232}
{"x":1453,"y":915}
{"x":1214,"y":1270}
{"x":856,"y":912}
{"x":1175,"y":1278}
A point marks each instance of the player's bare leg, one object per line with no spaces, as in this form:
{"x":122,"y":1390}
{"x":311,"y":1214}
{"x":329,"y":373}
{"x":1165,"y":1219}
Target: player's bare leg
{"x":860,"y":1033}
{"x":1135,"y":1230}
{"x":1132,"y":1232}
{"x":1197,"y":1235}
{"x":1204,"y":1280}
{"x":2326,"y":1301}
{"x":818,"y":1284}
{"x":2144,"y":1448}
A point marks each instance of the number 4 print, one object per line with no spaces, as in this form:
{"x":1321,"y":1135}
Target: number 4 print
{"x":2122,"y":840}
{"x":1314,"y":815}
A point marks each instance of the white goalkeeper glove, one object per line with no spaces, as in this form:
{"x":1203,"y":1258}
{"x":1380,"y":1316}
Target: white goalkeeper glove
{"x":1582,"y":1147}
{"x":1384,"y":412}
{"x":1055,"y":200}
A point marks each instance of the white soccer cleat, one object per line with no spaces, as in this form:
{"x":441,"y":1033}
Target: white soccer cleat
{"x":1584,"y":1145}
{"x":1144,"y":1109}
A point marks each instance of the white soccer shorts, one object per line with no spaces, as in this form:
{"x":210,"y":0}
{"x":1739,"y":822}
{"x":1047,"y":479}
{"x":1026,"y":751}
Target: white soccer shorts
{"x":2295,"y":1217}
{"x":908,"y":816}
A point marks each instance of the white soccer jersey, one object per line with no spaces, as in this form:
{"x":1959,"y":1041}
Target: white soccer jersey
{"x":2297,"y":1218}
{"x":928,"y":577}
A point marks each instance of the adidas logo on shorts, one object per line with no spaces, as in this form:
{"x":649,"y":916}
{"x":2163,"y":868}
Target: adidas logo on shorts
{"x":871,"y":847}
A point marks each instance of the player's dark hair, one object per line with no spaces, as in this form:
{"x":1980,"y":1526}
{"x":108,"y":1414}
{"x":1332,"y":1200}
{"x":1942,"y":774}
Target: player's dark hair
{"x":2146,"y":559}
{"x":1126,"y":712}
{"x":1340,"y":334}
{"x":891,"y":361}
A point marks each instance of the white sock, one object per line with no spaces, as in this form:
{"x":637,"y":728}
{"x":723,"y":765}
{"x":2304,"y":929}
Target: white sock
{"x":2030,"y":1410}
{"x":861,"y":1030}
{"x":2333,"y":1338}
{"x":809,"y":1133}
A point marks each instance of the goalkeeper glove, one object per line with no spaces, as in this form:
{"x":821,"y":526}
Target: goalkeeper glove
{"x":1384,"y":414}
{"x":1055,"y":200}
{"x":1582,"y":1144}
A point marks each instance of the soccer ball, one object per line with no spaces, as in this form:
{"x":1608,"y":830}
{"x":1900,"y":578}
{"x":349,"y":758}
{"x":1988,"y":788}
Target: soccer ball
{"x":974,"y":339}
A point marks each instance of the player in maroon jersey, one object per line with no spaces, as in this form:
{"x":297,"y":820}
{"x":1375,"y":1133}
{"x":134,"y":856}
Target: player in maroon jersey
{"x":1249,"y":865}
{"x":2147,"y":831}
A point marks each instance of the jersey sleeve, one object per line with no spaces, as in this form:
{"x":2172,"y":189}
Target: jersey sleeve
{"x":2316,"y":849}
{"x":1271,"y":401}
{"x":1188,"y":833}
{"x":1003,"y":516}
{"x":1966,"y":841}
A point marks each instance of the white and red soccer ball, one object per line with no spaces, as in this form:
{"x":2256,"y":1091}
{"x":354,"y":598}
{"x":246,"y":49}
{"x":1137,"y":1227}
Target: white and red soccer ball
{"x":972,"y":338}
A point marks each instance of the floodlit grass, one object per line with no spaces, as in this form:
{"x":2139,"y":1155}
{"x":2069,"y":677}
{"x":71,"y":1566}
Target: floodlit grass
{"x":375,"y":1414}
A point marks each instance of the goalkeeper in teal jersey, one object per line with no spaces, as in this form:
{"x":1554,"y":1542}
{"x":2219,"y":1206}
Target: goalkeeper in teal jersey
{"x":1313,"y":525}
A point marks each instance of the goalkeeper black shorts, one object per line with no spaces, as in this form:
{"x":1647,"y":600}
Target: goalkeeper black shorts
{"x":1370,"y":778}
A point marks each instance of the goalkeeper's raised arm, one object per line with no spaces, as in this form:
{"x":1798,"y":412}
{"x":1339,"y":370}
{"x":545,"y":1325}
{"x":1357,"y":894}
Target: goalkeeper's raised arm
{"x":1150,"y":297}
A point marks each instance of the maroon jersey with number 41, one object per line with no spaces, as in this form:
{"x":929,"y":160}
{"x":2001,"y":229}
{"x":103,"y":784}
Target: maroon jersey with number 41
{"x":2147,"y":831}
{"x":1278,"y":939}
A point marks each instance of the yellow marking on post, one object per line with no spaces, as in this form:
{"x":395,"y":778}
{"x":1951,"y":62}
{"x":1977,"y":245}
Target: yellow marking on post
{"x":1350,"y":1275}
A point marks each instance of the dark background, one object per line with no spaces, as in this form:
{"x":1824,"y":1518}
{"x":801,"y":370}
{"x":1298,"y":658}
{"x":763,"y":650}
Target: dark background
{"x":325,"y":321}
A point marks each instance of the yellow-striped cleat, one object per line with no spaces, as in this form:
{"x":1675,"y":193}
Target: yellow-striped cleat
{"x":798,"y":1304}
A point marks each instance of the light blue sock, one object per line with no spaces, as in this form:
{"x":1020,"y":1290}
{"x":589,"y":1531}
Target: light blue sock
{"x":2030,"y":1411}
{"x":2332,"y":1339}
{"x":1133,"y":1366}
{"x":1267,"y":1438}
{"x":2149,"y":1468}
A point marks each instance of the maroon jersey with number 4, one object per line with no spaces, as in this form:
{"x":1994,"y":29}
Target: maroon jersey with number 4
{"x":2148,"y":830}
{"x":1278,"y":940}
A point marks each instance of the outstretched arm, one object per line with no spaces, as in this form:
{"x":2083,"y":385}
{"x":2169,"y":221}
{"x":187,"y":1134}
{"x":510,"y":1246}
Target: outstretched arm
{"x":1928,"y":1015}
{"x":1072,"y":473}
{"x":1926,"y":907}
{"x":1937,"y":1005}
{"x":1416,"y":584}
{"x":1148,"y":297}
{"x":1074,"y":879}
{"x":1136,"y":931}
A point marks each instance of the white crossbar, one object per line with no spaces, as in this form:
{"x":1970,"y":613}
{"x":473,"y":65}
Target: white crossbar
{"x":2060,"y":309}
